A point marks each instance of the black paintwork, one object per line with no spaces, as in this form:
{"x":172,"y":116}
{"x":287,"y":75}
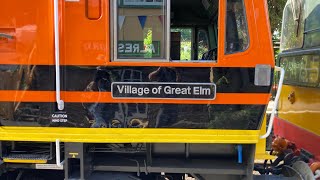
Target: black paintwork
{"x":99,"y":79}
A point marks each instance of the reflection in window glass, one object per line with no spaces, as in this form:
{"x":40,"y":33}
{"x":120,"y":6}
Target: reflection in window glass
{"x":292,"y":26}
{"x":312,"y":30}
{"x":141,"y":29}
{"x":237,"y":29}
{"x":142,"y":2}
{"x":203,"y":44}
{"x":302,"y":70}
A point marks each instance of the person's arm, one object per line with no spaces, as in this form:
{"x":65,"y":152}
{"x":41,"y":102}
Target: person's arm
{"x":153,"y":75}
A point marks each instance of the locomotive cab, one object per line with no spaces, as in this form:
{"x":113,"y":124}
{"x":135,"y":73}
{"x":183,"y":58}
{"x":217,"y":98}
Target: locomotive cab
{"x":130,"y":86}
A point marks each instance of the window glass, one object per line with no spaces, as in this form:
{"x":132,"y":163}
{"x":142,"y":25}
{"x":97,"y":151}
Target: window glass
{"x":312,"y":29}
{"x":142,"y":2}
{"x":237,"y":38}
{"x":302,"y":70}
{"x":292,"y":25}
{"x":183,"y":50}
{"x":203,"y":44}
{"x":141,"y":29}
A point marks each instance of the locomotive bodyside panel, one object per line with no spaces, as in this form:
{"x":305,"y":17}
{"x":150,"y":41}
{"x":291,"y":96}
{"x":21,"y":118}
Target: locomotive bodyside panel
{"x":88,"y":71}
{"x":92,"y":104}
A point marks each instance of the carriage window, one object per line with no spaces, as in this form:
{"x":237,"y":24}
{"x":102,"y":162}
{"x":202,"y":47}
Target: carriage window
{"x":141,"y":30}
{"x":312,"y":29}
{"x":237,"y":38}
{"x":302,"y":70}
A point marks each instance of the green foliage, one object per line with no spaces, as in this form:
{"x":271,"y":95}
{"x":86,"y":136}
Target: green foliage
{"x":202,"y":49}
{"x":185,"y":33}
{"x":185,"y":50}
{"x":186,"y":45}
{"x":203,"y":44}
{"x":275,"y":14}
{"x":148,"y":42}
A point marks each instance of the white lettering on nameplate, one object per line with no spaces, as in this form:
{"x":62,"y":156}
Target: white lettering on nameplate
{"x":164,"y":90}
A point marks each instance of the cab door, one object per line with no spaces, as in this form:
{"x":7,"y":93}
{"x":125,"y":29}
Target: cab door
{"x":83,"y":48}
{"x":84,"y":32}
{"x":26,"y":50}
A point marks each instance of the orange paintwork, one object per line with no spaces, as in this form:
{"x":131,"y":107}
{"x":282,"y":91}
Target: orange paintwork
{"x":32,"y":29}
{"x":83,"y":41}
{"x":105,"y":97}
{"x":93,"y":9}
{"x":86,"y":41}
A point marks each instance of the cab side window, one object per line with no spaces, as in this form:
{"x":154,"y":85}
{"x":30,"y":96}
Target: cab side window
{"x":141,"y":30}
{"x":167,"y":30}
{"x":237,"y":38}
{"x":203,"y":46}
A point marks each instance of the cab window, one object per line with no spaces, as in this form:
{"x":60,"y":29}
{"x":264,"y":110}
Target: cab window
{"x":141,"y":30}
{"x":237,"y":38}
{"x":181,"y":44}
{"x":175,"y":30}
{"x":203,"y":44}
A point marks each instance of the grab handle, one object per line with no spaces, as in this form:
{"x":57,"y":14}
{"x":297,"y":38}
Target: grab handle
{"x":60,"y":102}
{"x":276,"y":101}
{"x":59,"y":163}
